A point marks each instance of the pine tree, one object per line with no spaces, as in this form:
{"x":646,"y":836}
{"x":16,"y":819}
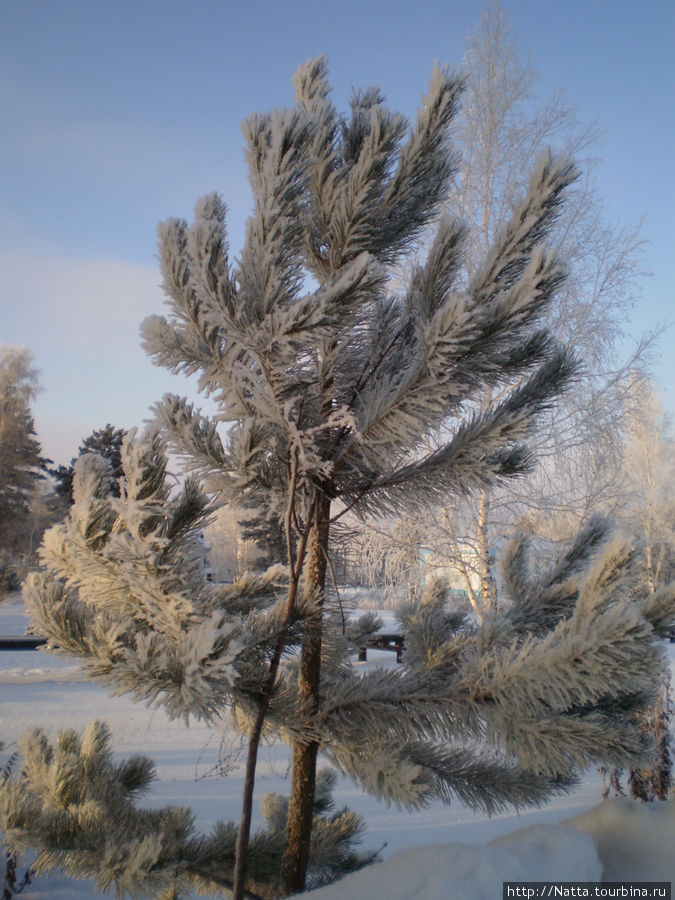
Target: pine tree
{"x":107,"y":442}
{"x":78,"y":808}
{"x":328,"y":382}
{"x":268,"y":537}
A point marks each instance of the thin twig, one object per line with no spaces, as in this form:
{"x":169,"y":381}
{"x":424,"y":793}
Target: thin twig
{"x":329,"y":562}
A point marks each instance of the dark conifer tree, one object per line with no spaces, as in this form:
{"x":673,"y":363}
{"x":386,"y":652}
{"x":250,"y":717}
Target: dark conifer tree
{"x":107,"y":442}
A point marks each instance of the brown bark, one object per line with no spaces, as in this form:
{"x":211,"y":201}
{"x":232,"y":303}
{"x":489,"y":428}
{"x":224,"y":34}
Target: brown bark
{"x":244,"y":832}
{"x":303,"y":773}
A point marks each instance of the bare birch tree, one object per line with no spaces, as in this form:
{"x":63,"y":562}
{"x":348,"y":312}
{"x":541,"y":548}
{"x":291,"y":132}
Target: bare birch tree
{"x":649,"y":479}
{"x":501,"y":127}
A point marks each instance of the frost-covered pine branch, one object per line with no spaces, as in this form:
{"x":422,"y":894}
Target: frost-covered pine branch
{"x":124,"y":589}
{"x":77,"y":810}
{"x":503,"y":124}
{"x":329,"y":384}
{"x":550,"y":684}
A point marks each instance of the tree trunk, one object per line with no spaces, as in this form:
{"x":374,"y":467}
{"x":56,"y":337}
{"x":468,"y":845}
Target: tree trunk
{"x":488,"y":589}
{"x":303,"y":773}
{"x":459,"y":562}
{"x":243,"y":836}
{"x":653,"y":781}
{"x":244,"y":832}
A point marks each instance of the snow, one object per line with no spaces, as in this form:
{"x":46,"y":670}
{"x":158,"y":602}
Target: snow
{"x":441,"y":852}
{"x":634,"y":840}
{"x":466,"y":872}
{"x":617,"y":840}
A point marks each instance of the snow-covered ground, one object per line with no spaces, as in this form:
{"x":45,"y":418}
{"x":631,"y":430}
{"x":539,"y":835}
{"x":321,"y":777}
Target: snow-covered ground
{"x":440,"y":852}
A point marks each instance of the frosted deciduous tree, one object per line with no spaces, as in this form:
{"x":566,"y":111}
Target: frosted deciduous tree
{"x":21,"y":461}
{"x":330,"y":382}
{"x":649,"y":479}
{"x":649,"y":517}
{"x":501,"y":127}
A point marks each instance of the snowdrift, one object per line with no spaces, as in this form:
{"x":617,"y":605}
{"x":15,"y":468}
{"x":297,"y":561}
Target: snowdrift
{"x":619,"y":840}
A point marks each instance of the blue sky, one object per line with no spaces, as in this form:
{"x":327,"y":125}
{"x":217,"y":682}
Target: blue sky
{"x":116,"y":115}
